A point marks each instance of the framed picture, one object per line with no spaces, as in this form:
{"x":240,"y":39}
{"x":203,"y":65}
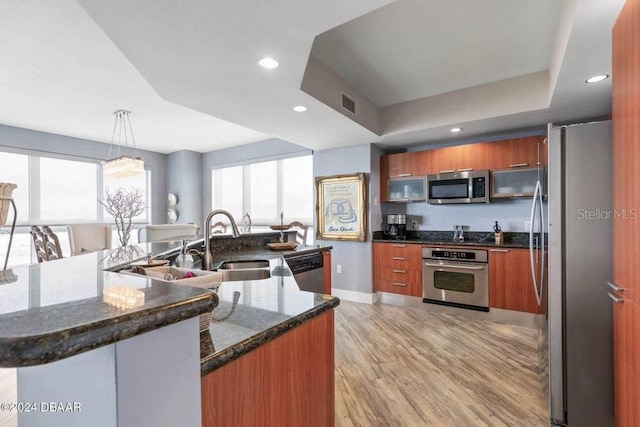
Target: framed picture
{"x":340,"y":207}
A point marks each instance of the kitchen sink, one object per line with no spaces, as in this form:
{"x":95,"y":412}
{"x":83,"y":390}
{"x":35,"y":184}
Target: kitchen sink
{"x":244,"y":274}
{"x":243,"y":264}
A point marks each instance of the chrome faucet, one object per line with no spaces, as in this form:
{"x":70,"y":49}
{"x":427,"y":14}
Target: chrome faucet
{"x":207,"y":260}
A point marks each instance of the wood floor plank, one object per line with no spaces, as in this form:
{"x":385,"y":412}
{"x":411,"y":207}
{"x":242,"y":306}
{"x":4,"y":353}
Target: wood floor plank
{"x":397,"y":366}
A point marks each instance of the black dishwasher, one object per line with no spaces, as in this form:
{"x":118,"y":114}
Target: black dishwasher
{"x":307,"y":270}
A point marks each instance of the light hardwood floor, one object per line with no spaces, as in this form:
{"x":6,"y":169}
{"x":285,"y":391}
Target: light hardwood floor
{"x":397,"y":366}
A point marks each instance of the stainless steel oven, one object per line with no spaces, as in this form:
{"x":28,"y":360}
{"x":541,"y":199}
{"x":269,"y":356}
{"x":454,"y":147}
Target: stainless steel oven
{"x":456,"y":277}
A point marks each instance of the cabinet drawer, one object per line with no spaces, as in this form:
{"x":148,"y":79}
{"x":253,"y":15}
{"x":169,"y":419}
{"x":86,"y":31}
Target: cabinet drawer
{"x":398,"y":259}
{"x":401,"y":275}
{"x":399,"y":287}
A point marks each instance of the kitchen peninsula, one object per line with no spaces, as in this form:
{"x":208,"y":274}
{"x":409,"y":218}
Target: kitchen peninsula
{"x":149,"y":365}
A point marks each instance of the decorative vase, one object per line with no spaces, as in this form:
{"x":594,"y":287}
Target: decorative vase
{"x":6,"y":189}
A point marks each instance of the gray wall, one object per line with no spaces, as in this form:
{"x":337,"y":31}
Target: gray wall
{"x":511,"y":214}
{"x":261,"y":151}
{"x":185,"y":180}
{"x":354,"y":257}
{"x":25,"y":141}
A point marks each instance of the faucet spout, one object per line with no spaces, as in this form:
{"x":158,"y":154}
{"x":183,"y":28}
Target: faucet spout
{"x":207,"y":260}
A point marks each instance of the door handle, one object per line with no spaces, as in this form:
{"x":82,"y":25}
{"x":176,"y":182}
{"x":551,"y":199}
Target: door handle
{"x":402,"y":175}
{"x":399,"y":246}
{"x":615,"y":288}
{"x":498,"y":250}
{"x":614,"y":298}
{"x":448,"y":171}
{"x":398,"y":258}
{"x":461,"y":267}
{"x":398,"y":284}
{"x":519,"y":165}
{"x":400,"y":271}
{"x":465,"y":170}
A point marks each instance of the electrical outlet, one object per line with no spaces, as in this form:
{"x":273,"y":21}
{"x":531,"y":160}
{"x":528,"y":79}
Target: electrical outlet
{"x":339,"y":269}
{"x":414,"y":225}
{"x":527,"y":226}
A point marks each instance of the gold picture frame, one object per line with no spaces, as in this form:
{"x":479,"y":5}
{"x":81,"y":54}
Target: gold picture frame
{"x":341,"y":208}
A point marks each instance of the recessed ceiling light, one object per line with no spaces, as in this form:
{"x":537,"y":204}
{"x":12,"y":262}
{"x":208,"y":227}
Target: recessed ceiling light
{"x":300,"y":108}
{"x":598,"y":78}
{"x":456,"y":130}
{"x":268,"y":63}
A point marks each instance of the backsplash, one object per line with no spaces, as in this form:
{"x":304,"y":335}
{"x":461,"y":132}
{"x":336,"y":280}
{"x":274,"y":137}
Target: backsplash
{"x":510,"y":214}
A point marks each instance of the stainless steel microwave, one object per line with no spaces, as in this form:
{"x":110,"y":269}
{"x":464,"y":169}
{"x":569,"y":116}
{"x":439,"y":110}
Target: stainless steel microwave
{"x":458,"y":187}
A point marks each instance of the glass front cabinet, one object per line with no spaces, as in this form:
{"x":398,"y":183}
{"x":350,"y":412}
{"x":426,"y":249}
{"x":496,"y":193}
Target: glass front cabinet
{"x":408,"y":189}
{"x":510,"y":183}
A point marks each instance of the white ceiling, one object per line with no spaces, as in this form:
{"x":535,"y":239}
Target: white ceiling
{"x":412,"y":49}
{"x":188,"y":70}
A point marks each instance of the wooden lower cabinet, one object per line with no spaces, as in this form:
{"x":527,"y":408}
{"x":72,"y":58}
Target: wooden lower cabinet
{"x":286,"y":382}
{"x":626,"y":355}
{"x":397,"y":268}
{"x":510,"y":282}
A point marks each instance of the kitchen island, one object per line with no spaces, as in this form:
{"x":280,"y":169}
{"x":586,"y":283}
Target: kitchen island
{"x":52,"y":314}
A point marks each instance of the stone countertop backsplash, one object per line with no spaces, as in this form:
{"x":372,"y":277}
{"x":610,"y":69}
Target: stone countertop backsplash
{"x":471,"y":238}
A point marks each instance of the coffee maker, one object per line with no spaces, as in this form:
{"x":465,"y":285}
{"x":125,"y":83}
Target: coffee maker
{"x":396,"y":226}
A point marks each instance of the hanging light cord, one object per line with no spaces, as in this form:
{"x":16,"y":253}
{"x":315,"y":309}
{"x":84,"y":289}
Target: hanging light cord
{"x":123,"y":120}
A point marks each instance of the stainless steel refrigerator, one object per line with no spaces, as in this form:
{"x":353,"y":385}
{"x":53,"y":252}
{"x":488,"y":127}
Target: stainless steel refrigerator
{"x":579,"y":325}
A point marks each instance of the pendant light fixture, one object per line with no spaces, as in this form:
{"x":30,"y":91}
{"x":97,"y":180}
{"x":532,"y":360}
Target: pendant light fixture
{"x":125,"y":165}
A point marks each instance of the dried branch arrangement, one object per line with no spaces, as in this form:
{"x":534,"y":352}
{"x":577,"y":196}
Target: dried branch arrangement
{"x":123,"y":205}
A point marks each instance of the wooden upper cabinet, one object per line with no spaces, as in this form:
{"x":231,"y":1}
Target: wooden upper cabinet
{"x":404,"y":164}
{"x":401,"y":165}
{"x":458,"y":158}
{"x":519,"y":152}
{"x":472,"y":157}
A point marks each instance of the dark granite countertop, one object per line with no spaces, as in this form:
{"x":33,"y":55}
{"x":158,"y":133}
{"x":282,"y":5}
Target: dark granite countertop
{"x":445,"y":238}
{"x":54,"y":310}
{"x":265,"y":310}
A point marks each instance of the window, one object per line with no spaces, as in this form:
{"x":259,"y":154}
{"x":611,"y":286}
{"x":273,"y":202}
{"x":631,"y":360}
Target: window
{"x":265,"y":189}
{"x":15,"y":169}
{"x":68,"y":191}
{"x":56,"y":192}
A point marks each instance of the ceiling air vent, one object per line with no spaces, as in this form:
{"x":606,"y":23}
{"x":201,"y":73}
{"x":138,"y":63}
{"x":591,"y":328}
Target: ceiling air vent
{"x":348,"y":104}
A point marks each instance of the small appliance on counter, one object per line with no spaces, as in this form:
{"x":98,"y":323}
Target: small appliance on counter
{"x":396,"y":226}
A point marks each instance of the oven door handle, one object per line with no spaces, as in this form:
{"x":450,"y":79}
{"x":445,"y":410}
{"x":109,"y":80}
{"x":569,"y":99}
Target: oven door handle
{"x":461,"y":267}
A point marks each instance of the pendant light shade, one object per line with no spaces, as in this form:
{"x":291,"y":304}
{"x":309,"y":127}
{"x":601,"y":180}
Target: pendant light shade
{"x":122,"y":166}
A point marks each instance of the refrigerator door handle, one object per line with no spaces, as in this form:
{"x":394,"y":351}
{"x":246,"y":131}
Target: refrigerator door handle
{"x":542,"y":245}
{"x":531,"y":248}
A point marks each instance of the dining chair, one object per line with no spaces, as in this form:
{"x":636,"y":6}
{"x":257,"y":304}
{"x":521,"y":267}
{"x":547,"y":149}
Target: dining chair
{"x":46,"y":243}
{"x":301,"y":236}
{"x":89,"y":237}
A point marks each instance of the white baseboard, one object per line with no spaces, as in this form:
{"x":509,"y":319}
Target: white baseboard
{"x":364,"y":297}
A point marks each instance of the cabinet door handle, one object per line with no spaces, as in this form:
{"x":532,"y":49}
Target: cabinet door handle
{"x":498,"y":250}
{"x":465,"y":170}
{"x":615,"y":288}
{"x":399,"y":246}
{"x":404,"y":174}
{"x":516,"y":195}
{"x":448,"y":171}
{"x":519,"y":165}
{"x":398,"y":284}
{"x":614,"y":298}
{"x":399,"y":258}
{"x":400,"y":271}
